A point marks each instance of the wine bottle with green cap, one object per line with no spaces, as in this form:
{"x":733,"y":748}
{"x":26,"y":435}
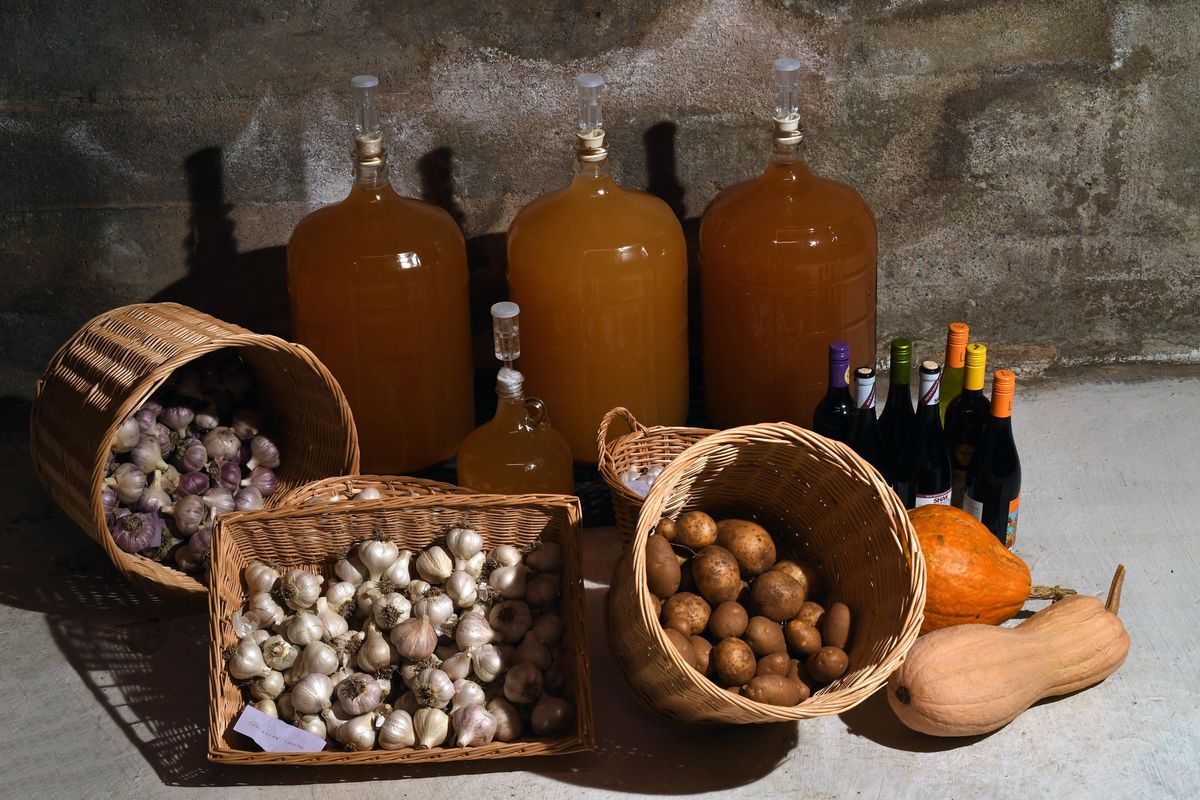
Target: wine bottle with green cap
{"x":994,"y":480}
{"x":966,"y":419}
{"x":898,"y":415}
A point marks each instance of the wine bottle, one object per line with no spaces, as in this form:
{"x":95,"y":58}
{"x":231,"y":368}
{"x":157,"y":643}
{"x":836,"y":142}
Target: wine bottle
{"x":966,"y":419}
{"x":835,"y":412}
{"x":865,"y":437}
{"x":926,"y":468}
{"x":952,"y":373}
{"x":994,"y":479}
{"x":898,"y":415}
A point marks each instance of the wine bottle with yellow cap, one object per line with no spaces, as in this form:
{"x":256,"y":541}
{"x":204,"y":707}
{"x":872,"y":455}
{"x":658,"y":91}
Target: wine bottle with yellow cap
{"x":994,"y":478}
{"x":966,"y":419}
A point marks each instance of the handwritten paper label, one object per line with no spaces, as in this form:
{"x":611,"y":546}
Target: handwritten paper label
{"x":276,"y":736}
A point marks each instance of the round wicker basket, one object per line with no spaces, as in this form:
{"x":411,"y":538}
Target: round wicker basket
{"x":118,"y":359}
{"x":349,"y":485}
{"x":640,"y":449}
{"x":822,"y":504}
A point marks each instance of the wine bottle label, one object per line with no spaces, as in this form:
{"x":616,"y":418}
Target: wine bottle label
{"x":973,"y":507}
{"x":958,"y":485}
{"x":1010,"y":534}
{"x":931,"y":386}
{"x":940,"y":499}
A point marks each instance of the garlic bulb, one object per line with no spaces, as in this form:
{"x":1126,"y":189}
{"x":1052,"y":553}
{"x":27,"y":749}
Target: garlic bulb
{"x":548,"y":628}
{"x":433,"y":688}
{"x":357,"y":733}
{"x":377,"y":555}
{"x":259,"y":577}
{"x":543,"y":590}
{"x":317,"y":657}
{"x":304,"y":628}
{"x":505,"y":555}
{"x":488,"y":662}
{"x":554,"y":678}
{"x":266,"y":609}
{"x":414,"y":638}
{"x":473,"y":630}
{"x":243,"y":624}
{"x":434,"y":565}
{"x":279,"y":653}
{"x":511,"y":620}
{"x":390,"y":609}
{"x":461,"y":588}
{"x":508,"y":719}
{"x":369,"y":493}
{"x":417,"y":589}
{"x":400,"y":570}
{"x":350,"y":570}
{"x":334,"y":624}
{"x":546,"y":557}
{"x":126,"y":436}
{"x":551,"y":715}
{"x":457,"y":666}
{"x":339,"y":596}
{"x":523,"y":683}
{"x":359,"y":693}
{"x":267,"y":706}
{"x":532,"y":651}
{"x":313,"y":724}
{"x":431,"y":726}
{"x":465,"y":693}
{"x":464,"y":542}
{"x":300,"y":589}
{"x":365,"y":596}
{"x":407,"y":702}
{"x":473,"y":566}
{"x":397,"y":731}
{"x":247,"y":661}
{"x":311,"y":693}
{"x":283,"y":704}
{"x":260,"y":636}
{"x":375,"y":652}
{"x":473,"y":725}
{"x":437,"y":608}
{"x":509,"y":581}
{"x":268,"y":687}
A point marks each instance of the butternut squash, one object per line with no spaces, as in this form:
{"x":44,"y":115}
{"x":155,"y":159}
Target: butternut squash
{"x":968,"y":680}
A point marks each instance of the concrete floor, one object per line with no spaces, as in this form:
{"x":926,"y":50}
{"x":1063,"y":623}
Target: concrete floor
{"x":104,"y":692}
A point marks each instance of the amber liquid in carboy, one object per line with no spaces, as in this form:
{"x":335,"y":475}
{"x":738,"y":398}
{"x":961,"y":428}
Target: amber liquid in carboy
{"x":514,"y":454}
{"x":787,"y":264}
{"x":600,"y":274}
{"x":378,"y":287}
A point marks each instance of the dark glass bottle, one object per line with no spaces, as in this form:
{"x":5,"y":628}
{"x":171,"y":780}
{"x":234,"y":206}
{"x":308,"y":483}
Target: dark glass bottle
{"x":966,"y":419}
{"x":994,"y":479}
{"x":925,"y":469}
{"x":865,"y":437}
{"x":835,"y":412}
{"x":898,"y":415}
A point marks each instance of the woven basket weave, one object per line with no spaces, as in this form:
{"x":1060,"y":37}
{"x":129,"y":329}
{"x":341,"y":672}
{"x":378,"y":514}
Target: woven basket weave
{"x":349,"y":485}
{"x":117,"y":360}
{"x":309,"y":536}
{"x":639,"y":449}
{"x":822,"y":504}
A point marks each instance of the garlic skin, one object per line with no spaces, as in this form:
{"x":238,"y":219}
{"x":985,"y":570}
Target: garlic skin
{"x":334,"y":624}
{"x":505,"y":555}
{"x":532,"y":651}
{"x":268,"y":687}
{"x":243,"y":624}
{"x":434,"y":565}
{"x":546,"y":557}
{"x":390,"y":610}
{"x":473,"y":566}
{"x":349,"y":569}
{"x":400,"y":570}
{"x":259,"y":577}
{"x":464,"y":542}
{"x":339,"y":595}
{"x":269,"y":612}
{"x":473,"y":725}
{"x":414,"y":638}
{"x":457,"y":666}
{"x":247,"y":661}
{"x":523,"y":683}
{"x":377,"y":555}
{"x":304,"y":628}
{"x":551,"y":715}
{"x":433,"y":688}
{"x":466,"y":693}
{"x":437,"y":608}
{"x":473,"y":630}
{"x":487,"y":662}
{"x":397,"y":731}
{"x":279,"y":653}
{"x":313,"y":724}
{"x":311,"y":694}
{"x":300,"y":589}
{"x":508,"y":719}
{"x":548,"y":628}
{"x":511,"y":620}
{"x":461,"y":588}
{"x":543,"y":590}
{"x":375,"y":652}
{"x":431,"y":726}
{"x":359,"y":693}
{"x":509,"y":581}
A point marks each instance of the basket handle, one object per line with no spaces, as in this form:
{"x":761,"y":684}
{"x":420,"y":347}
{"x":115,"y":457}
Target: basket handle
{"x":602,"y":434}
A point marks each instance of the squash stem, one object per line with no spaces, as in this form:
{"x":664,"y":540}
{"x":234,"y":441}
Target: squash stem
{"x":1054,"y":593}
{"x":1113,"y":603}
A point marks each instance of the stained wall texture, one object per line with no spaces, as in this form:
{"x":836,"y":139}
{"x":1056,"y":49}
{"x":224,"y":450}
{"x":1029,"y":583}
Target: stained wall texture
{"x":1033,"y":165}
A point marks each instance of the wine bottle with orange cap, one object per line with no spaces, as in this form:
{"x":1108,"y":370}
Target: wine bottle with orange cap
{"x":952,"y":371}
{"x":994,"y":479}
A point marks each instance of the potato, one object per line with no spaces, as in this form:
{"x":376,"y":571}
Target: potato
{"x":811,"y":614}
{"x":695,"y":530}
{"x":773,"y":664}
{"x":728,"y":619}
{"x":734,"y":662}
{"x":702,"y":654}
{"x":715,"y":571}
{"x":776,"y":690}
{"x":827,"y":664}
{"x":686,"y":613}
{"x":764,"y":636}
{"x":665,"y":528}
{"x":681,"y":643}
{"x":750,"y":544}
{"x":776,"y":595}
{"x":662,"y":567}
{"x":804,"y":574}
{"x":835,"y":630}
{"x":801,"y":637}
{"x":799,"y":673}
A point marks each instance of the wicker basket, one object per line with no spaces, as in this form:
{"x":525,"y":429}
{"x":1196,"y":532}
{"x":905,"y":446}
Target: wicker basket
{"x":639,"y":449}
{"x":308,"y":537}
{"x":822,"y":504}
{"x":117,"y":360}
{"x":349,"y":485}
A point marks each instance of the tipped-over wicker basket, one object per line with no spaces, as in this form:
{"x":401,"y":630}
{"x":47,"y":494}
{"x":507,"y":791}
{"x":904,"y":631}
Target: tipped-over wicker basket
{"x":346,"y":486}
{"x":310,"y":536}
{"x":117,"y":360}
{"x":640,"y":449}
{"x":822,"y":504}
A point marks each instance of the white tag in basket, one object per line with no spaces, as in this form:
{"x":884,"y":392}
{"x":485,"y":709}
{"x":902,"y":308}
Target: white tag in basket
{"x":276,"y":736}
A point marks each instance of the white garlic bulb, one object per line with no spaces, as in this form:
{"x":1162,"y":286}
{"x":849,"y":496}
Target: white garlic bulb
{"x":433,"y":688}
{"x":317,"y":657}
{"x":473,"y":566}
{"x":505,"y":555}
{"x":509,"y":581}
{"x":375,"y":652}
{"x":313,"y":724}
{"x":339,"y":595}
{"x":304,"y":628}
{"x":400,"y":570}
{"x":268,"y":687}
{"x":247,"y":661}
{"x":334,"y":624}
{"x":508,"y":719}
{"x":390,"y":609}
{"x":464,"y":542}
{"x":267,"y":706}
{"x":369,"y":493}
{"x":431,"y":726}
{"x":434,"y":565}
{"x":523,"y":683}
{"x":259,"y":577}
{"x":377,"y":555}
{"x":359,"y":693}
{"x":300,"y":589}
{"x":511,"y":620}
{"x":473,"y":630}
{"x":546,"y":557}
{"x":458,"y":665}
{"x":243,"y":623}
{"x":283,"y":704}
{"x":259,"y":636}
{"x":473,"y":725}
{"x":466,"y":693}
{"x":397,"y":731}
{"x":551,"y":715}
{"x":461,"y":589}
{"x":357,"y":733}
{"x":532,"y":651}
{"x":437,"y":608}
{"x":350,"y":570}
{"x":417,"y":589}
{"x":365,"y":596}
{"x":407,"y":702}
{"x":414,"y":638}
{"x":264,"y":607}
{"x":487,"y":662}
{"x":311,"y":693}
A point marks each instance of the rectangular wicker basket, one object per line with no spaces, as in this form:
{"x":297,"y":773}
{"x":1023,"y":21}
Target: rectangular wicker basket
{"x":310,"y":536}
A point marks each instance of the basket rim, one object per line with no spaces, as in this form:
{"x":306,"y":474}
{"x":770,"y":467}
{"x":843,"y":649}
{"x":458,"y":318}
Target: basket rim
{"x":906,"y":539}
{"x":581,"y":739}
{"x":607,"y":450}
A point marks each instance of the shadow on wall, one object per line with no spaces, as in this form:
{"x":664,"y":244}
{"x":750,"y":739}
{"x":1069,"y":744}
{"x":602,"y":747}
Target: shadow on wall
{"x":248,"y":289}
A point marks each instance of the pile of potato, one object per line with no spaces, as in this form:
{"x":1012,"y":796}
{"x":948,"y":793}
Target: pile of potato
{"x":740,"y":616}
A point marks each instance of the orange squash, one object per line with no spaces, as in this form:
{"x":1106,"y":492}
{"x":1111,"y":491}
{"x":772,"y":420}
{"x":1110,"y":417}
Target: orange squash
{"x":970,"y":576}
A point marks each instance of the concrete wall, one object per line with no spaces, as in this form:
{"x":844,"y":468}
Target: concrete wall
{"x":1033,"y":165}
